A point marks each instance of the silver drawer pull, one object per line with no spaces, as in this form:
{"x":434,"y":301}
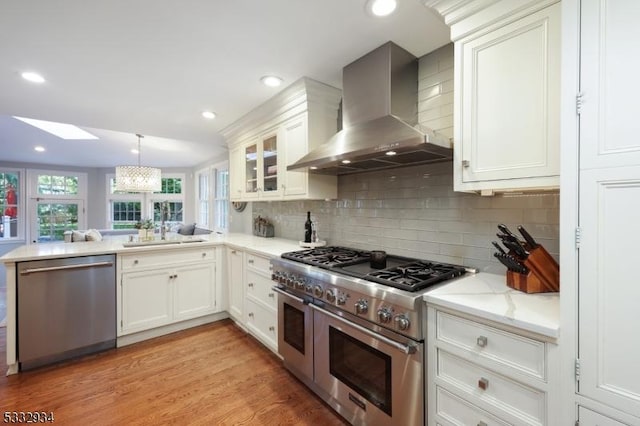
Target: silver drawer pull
{"x":271,"y":295}
{"x":272,"y":328}
{"x":250,"y":284}
{"x":482,"y":341}
{"x":251,"y":314}
{"x":250,"y":261}
{"x":483,"y":383}
{"x":481,"y":423}
{"x":465,"y":163}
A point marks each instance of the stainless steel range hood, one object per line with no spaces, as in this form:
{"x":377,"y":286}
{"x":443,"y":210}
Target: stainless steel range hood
{"x":380,"y":103}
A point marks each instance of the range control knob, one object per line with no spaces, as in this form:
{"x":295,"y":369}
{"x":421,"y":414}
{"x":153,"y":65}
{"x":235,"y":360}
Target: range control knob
{"x":300,"y":284}
{"x":331,"y":296}
{"x":318,"y":291}
{"x":341,"y":300}
{"x":308,"y":288}
{"x":384,"y":315}
{"x":361,"y":306}
{"x":403,"y":322}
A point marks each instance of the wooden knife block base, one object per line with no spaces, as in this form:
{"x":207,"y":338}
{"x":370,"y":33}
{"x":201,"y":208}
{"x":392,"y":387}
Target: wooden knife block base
{"x":543,"y":276}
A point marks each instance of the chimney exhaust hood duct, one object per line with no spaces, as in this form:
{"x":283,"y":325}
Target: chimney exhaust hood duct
{"x":380,"y":131}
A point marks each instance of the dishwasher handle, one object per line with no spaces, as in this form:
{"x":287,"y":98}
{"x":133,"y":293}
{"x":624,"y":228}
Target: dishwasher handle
{"x":65,"y":267}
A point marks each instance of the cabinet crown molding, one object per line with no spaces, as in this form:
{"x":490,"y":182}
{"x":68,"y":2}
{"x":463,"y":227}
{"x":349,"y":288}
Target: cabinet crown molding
{"x":292,"y":100}
{"x":467,"y":16}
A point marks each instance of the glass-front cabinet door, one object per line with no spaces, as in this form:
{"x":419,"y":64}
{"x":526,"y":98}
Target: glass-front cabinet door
{"x":270,"y":163}
{"x":261,"y":174}
{"x":251,"y":168}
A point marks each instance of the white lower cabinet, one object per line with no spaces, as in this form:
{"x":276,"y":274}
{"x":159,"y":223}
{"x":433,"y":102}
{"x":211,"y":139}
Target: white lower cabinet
{"x":235,"y":281}
{"x":158,"y":289}
{"x":252,"y":303}
{"x":260,"y":301}
{"x":479,"y":374}
{"x":588,"y":417}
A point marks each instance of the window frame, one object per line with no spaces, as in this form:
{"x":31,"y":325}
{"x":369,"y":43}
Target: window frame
{"x":146,"y":199}
{"x":21,"y":205}
{"x":33,"y":197}
{"x":213,"y":199}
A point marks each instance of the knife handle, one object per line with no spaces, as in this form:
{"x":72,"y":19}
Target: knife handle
{"x":527,"y":237}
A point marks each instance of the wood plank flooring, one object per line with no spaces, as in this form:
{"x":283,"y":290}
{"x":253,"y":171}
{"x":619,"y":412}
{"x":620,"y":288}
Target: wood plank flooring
{"x":209,"y":375}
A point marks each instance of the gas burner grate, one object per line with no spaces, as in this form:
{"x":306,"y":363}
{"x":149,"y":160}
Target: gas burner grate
{"x":416,"y":276}
{"x":327,"y":257}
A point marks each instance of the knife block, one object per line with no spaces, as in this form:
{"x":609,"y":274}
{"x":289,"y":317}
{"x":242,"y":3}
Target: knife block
{"x":543,"y":276}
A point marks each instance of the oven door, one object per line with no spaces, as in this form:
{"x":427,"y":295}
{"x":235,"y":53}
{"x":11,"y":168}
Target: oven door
{"x":295,"y":334}
{"x":370,"y":378}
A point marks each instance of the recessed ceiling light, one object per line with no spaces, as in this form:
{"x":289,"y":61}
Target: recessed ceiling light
{"x":346,"y":161}
{"x":390,"y":153}
{"x":39,"y":148}
{"x":314,"y":167}
{"x":135,"y":151}
{"x":271,"y":81}
{"x":33,"y":77}
{"x":61,"y":130}
{"x":208,"y":115}
{"x":381,"y":7}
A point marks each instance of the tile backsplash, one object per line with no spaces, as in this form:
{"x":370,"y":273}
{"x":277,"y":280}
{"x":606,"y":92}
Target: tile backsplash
{"x":414,"y":211}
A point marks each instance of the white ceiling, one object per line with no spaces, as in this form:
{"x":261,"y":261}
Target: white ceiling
{"x":152,"y":66}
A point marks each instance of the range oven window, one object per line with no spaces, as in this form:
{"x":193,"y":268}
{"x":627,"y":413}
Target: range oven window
{"x":294,"y":327}
{"x":361,"y":367}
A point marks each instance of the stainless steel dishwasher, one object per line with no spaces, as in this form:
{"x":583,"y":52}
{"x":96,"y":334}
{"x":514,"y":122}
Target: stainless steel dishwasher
{"x":66,"y":308}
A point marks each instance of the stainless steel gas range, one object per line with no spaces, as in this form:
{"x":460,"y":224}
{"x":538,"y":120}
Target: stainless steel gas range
{"x":350,"y":327}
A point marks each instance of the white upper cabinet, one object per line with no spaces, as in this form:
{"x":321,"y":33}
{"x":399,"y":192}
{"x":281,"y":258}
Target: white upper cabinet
{"x":277,"y":133}
{"x":506,"y":94}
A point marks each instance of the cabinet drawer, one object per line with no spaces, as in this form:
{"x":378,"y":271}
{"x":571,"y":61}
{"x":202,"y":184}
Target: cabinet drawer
{"x":456,"y":411}
{"x":262,"y":322}
{"x":259,"y":263}
{"x":259,"y":287}
{"x":525,"y":355}
{"x":166,"y":258}
{"x":498,"y":391}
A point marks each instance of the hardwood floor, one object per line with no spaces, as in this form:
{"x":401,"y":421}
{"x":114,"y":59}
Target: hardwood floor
{"x":209,"y":375}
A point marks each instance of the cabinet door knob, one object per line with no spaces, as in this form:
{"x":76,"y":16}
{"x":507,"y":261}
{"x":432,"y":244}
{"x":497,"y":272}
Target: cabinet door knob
{"x":250,"y":261}
{"x":272,"y":328}
{"x":135,"y":262}
{"x":271,"y":294}
{"x":465,"y":163}
{"x":251,"y":314}
{"x":483,"y":383}
{"x":233,"y":252}
{"x":250,"y":284}
{"x":204,"y":254}
{"x":482,"y":341}
{"x":481,"y":423}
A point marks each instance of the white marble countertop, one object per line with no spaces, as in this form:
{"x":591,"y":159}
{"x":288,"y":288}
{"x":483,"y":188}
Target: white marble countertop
{"x":260,"y":245}
{"x":487,"y":296}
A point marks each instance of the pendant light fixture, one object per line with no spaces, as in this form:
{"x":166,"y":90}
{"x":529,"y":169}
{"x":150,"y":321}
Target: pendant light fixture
{"x":138,"y":178}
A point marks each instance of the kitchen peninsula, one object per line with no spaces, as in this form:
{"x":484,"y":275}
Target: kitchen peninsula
{"x":149,"y":300}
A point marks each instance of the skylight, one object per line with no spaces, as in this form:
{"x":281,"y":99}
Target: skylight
{"x":61,"y":130}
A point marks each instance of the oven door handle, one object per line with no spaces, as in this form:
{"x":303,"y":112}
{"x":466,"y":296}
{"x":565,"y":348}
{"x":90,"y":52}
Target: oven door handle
{"x":284,"y":293}
{"x":407,"y":349}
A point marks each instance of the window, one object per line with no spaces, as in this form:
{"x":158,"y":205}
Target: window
{"x":9,"y":208}
{"x":212,"y":197}
{"x":58,"y":204}
{"x":221,"y":203}
{"x":126,"y":209}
